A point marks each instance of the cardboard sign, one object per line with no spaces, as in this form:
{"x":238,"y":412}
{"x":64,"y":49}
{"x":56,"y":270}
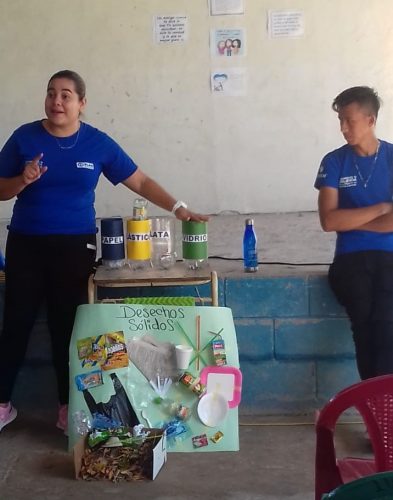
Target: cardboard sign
{"x":150,"y":385}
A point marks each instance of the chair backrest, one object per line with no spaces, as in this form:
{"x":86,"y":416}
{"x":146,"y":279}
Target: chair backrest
{"x":377,"y":486}
{"x":373,"y":398}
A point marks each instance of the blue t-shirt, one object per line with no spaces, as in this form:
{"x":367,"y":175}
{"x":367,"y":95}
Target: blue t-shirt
{"x":338,"y":170}
{"x":62,"y":200}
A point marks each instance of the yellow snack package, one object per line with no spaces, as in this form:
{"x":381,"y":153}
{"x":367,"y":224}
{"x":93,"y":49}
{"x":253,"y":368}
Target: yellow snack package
{"x":116,"y":351}
{"x":99,"y":349}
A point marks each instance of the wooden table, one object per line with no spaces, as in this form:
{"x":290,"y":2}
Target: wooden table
{"x":177,"y":276}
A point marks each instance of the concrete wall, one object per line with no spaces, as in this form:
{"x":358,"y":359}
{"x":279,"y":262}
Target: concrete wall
{"x":295,"y":344}
{"x":256,"y":153}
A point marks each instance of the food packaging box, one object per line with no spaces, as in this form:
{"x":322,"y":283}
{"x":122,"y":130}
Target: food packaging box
{"x":120,"y":463}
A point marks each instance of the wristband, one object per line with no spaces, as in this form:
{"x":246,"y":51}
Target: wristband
{"x":177,"y":205}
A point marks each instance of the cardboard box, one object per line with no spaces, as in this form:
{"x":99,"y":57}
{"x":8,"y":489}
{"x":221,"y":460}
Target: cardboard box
{"x":146,"y":463}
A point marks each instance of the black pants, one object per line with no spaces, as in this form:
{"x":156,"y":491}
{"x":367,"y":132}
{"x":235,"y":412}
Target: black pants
{"x":363,"y":284}
{"x":54,"y":269}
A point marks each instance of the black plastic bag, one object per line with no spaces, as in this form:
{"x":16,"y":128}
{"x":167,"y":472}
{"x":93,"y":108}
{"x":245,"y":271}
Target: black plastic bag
{"x":117,"y":410}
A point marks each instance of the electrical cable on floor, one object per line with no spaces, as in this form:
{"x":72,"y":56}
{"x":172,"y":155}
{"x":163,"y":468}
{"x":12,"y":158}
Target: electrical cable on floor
{"x":272,"y":262}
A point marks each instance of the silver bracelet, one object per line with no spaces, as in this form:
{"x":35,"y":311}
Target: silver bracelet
{"x":177,"y":205}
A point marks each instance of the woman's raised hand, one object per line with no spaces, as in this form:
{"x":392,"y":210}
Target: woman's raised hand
{"x":33,"y":170}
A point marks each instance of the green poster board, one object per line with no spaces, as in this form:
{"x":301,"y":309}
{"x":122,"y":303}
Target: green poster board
{"x":164,"y":326}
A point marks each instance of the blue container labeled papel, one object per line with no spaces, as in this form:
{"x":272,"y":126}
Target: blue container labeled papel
{"x":112,"y":239}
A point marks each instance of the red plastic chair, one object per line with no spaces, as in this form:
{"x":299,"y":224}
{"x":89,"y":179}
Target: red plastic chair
{"x":373,"y":398}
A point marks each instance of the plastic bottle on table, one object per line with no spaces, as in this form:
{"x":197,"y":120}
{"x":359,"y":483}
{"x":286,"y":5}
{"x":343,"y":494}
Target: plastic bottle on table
{"x":250,"y":251}
{"x":195,"y":244}
{"x":139,"y":211}
{"x":112,"y":242}
{"x":138,"y":237}
{"x":162,"y":236}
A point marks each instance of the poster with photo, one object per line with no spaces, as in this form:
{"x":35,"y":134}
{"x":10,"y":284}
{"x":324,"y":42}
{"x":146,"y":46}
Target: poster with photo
{"x":227,"y":42}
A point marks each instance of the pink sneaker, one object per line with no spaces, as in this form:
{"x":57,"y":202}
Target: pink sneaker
{"x":7,"y":414}
{"x":62,"y":419}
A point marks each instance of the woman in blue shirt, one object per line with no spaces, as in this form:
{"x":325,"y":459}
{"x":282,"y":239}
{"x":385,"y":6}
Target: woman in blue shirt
{"x":52,"y":167}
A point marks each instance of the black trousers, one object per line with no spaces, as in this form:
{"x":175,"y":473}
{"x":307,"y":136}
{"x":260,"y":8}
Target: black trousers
{"x":363,"y":284}
{"x":54,"y":269}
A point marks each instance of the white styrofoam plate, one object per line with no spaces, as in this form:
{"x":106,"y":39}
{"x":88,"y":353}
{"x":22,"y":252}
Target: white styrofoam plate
{"x":212,"y":409}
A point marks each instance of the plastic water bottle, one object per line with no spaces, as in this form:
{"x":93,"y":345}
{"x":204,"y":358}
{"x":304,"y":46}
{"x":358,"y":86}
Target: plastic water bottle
{"x":138,"y":237}
{"x":162,"y":237}
{"x":112,"y":243}
{"x":139,"y":211}
{"x":250,"y":252}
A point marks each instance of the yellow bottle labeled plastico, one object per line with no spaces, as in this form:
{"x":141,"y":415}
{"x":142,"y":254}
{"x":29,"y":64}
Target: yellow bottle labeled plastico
{"x":138,"y":239}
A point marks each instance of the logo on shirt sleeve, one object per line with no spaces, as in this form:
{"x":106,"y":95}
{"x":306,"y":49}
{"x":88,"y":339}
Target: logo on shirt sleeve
{"x":321,"y":172}
{"x":85,"y":164}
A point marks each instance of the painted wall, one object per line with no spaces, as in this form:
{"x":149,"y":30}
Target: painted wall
{"x":256,"y":153}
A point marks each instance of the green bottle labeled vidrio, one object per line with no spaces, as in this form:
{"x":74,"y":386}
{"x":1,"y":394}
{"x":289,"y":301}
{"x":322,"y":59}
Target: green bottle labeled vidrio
{"x":194,"y":244}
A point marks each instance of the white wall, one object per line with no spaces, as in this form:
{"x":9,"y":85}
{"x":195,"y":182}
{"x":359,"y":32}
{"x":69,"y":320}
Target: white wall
{"x":257,"y":153}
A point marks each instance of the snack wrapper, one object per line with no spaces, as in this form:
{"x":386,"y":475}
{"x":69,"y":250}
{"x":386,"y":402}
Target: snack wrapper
{"x":200,"y":441}
{"x":85,"y":349}
{"x":219,"y":354}
{"x":85,"y":353}
{"x":99,"y":349}
{"x":217,"y":437}
{"x":88,"y":380}
{"x":116,"y":351}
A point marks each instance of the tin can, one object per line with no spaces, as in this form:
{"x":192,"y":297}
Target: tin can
{"x":193,"y":383}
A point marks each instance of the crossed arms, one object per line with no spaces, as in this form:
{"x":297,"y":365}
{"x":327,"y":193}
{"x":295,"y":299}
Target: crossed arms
{"x":377,"y":218}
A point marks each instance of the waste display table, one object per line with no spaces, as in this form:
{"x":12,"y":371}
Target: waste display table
{"x":125,"y":277}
